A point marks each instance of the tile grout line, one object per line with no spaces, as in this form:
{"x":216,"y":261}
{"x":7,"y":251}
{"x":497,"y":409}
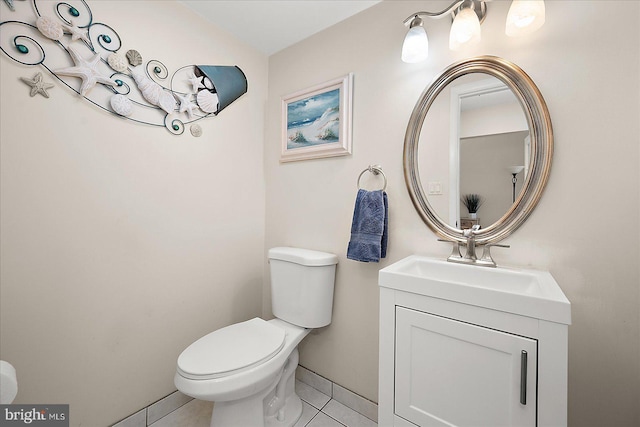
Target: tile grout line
{"x":146,"y":411}
{"x":325,"y":414}
{"x":321,"y":408}
{"x":332,"y":397}
{"x":324,"y":406}
{"x":334,"y":419}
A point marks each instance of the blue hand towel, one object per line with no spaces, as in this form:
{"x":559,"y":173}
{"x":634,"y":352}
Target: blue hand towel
{"x":369,"y":227}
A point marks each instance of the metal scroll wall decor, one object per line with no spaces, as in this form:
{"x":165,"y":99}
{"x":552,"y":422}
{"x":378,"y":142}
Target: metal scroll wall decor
{"x":70,"y":45}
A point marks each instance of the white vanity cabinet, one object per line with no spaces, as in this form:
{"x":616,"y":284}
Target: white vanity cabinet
{"x":444,"y":365}
{"x":457,"y":354}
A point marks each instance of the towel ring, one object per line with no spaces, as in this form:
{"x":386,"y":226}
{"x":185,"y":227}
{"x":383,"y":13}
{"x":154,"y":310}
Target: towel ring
{"x":374,"y":169}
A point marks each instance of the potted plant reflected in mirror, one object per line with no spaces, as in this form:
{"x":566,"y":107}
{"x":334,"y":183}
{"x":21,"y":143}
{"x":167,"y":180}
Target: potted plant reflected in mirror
{"x":472,"y":202}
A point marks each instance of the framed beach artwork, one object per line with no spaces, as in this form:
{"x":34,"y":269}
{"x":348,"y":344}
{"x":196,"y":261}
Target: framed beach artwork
{"x":316,"y":122}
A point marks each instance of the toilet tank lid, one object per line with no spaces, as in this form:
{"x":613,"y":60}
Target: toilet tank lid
{"x":303,"y":256}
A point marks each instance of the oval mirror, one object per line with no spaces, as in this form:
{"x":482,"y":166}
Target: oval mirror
{"x":481,"y":132}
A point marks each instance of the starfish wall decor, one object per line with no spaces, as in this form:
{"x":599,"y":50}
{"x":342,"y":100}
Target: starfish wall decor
{"x":38,"y":85}
{"x":87,"y":70}
{"x":10,"y":4}
{"x":119,"y":83}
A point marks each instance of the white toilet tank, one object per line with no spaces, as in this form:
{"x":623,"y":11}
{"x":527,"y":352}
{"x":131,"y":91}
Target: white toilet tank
{"x":302,"y":283}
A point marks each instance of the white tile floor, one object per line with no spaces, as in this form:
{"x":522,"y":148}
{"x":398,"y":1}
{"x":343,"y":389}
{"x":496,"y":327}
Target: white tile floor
{"x":318,"y":410}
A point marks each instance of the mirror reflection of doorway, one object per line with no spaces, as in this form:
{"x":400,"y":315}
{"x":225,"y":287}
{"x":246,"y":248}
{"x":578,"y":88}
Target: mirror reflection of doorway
{"x":492,"y":139}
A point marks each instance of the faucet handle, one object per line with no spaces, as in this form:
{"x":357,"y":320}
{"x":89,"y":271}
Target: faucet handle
{"x":455,"y":253}
{"x":486,"y":253}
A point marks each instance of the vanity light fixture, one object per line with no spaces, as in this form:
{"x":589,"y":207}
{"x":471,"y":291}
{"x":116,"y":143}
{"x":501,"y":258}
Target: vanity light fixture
{"x":524,"y":17}
{"x":465,"y":30}
{"x":416,"y":44}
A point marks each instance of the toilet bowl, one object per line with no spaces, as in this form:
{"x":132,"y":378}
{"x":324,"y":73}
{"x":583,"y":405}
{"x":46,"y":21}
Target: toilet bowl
{"x":248,"y":368}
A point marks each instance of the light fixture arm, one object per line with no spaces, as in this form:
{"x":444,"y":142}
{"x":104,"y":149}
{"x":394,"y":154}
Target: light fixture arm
{"x":477,"y":5}
{"x":435,"y":15}
{"x":525,"y":16}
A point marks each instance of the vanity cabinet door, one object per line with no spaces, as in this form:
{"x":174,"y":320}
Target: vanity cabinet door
{"x":451,"y":373}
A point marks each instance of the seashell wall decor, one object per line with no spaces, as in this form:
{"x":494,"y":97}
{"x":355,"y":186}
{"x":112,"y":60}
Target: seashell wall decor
{"x":50,"y":28}
{"x":207,"y":101}
{"x":134,"y":57}
{"x":196,"y":130}
{"x":229,"y":83}
{"x":153,"y":92}
{"x":118,"y":82}
{"x":121,"y":105}
{"x":117,"y":62}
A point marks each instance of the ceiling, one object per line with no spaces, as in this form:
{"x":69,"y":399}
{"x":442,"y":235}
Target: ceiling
{"x":272,"y":25}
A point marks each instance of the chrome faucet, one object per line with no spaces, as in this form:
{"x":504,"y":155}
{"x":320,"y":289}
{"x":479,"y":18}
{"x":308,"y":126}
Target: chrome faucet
{"x":470,"y":235}
{"x":470,"y":256}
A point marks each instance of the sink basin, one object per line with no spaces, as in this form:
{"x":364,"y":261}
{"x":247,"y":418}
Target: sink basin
{"x":525,"y":292}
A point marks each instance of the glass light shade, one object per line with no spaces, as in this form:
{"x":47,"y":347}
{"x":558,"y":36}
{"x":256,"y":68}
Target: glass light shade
{"x":465,"y":30}
{"x":416,"y":45}
{"x":524,"y":17}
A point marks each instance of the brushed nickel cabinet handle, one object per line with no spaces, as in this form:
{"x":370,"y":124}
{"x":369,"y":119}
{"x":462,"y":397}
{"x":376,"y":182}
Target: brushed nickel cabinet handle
{"x":523,"y":377}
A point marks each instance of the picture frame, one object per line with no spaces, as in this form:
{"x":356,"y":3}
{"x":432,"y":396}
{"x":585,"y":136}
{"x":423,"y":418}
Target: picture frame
{"x":316,"y":122}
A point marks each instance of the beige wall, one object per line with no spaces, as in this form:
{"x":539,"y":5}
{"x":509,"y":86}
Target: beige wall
{"x":121,"y":243}
{"x":587,"y":68}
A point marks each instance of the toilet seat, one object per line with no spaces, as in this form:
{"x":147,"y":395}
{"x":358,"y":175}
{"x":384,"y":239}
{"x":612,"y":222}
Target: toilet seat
{"x":231,"y":350}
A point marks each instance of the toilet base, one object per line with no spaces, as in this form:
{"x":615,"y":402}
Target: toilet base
{"x":292,"y":413}
{"x":278,"y":406}
{"x":233,"y":414}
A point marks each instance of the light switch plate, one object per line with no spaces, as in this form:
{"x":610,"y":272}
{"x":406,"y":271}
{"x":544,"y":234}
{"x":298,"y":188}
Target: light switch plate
{"x":435,"y":188}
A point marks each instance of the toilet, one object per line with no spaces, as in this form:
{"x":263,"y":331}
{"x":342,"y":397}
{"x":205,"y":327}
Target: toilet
{"x":248,"y":368}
